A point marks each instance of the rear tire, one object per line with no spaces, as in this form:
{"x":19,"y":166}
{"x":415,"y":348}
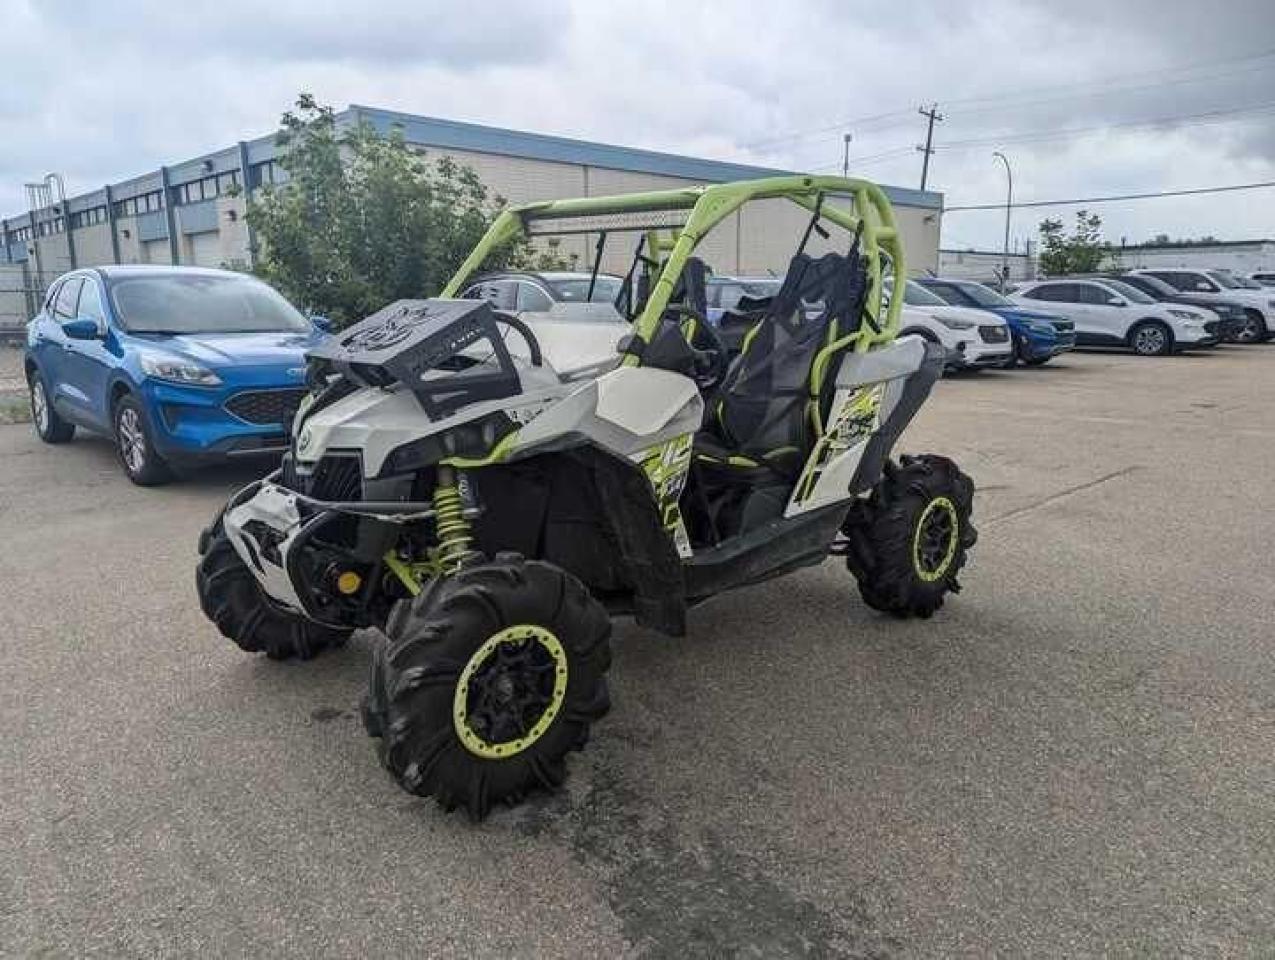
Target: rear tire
{"x":1252,"y":329}
{"x":1151,"y":338}
{"x":231,"y":598}
{"x":487,"y":680}
{"x":910,"y":538}
{"x":49,"y":427}
{"x":135,"y":446}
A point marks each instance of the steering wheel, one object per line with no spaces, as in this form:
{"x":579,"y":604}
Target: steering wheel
{"x":536,"y":358}
{"x":711,"y":362}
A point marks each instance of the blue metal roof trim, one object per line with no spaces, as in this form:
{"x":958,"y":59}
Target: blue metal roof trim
{"x":456,"y":135}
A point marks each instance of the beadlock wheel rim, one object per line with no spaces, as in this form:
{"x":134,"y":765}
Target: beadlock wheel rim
{"x":516,"y":681}
{"x":132,"y":440}
{"x":935,"y":539}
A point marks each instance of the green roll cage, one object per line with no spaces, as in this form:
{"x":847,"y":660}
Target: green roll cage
{"x":708,"y":207}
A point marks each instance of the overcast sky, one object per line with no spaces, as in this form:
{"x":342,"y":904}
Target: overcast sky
{"x":106,"y":90}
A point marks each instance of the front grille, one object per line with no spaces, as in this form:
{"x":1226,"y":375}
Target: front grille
{"x":1063,"y":326}
{"x":991,"y":334}
{"x":269,"y":407}
{"x":1210,"y":327}
{"x":335,"y":478}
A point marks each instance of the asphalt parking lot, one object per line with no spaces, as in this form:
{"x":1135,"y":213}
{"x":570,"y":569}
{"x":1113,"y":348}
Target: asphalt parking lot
{"x":1075,"y":756}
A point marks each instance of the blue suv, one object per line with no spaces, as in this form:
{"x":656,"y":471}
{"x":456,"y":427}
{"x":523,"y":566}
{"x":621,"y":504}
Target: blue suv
{"x":177,"y":365}
{"x":1038,"y":336}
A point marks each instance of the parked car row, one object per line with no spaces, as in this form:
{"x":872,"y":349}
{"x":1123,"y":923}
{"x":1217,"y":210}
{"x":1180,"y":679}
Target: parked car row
{"x":182,"y":365}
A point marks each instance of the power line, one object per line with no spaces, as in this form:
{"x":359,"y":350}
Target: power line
{"x":1126,"y":196}
{"x":1105,"y":85}
{"x":1184,"y":120}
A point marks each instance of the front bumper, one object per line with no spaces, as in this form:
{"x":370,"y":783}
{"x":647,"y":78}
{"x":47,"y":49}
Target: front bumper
{"x":197,"y":423}
{"x":972,"y":355}
{"x":273,"y":530}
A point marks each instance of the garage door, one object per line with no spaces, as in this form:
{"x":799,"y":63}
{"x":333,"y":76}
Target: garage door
{"x":205,"y":251}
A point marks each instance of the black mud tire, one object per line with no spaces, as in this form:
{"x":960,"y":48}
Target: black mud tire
{"x":429,"y":641}
{"x":49,"y":426}
{"x":135,"y":444}
{"x":883,"y":539}
{"x":231,"y":598}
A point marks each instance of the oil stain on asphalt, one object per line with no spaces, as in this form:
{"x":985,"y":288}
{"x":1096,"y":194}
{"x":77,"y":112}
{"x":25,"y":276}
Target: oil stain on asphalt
{"x":677,"y":896}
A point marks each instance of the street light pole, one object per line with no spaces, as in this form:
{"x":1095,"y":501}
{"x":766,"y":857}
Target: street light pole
{"x":845,"y":155}
{"x":1009,"y":203}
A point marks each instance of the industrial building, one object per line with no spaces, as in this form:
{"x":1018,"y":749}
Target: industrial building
{"x":1239,"y":256}
{"x":192,"y":212}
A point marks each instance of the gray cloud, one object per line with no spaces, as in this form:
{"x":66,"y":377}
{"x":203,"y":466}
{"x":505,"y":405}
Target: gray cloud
{"x":102,"y":91}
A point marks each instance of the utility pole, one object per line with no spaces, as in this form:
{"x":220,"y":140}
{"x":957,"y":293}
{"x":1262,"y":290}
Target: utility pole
{"x":845,"y":155}
{"x":934,"y":117}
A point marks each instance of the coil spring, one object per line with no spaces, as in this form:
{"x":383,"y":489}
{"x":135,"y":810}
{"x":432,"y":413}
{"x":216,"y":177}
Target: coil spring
{"x":453,"y":530}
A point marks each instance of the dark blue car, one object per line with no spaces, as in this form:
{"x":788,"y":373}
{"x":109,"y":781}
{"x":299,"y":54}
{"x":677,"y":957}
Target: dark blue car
{"x":1038,"y":336}
{"x":177,"y":365}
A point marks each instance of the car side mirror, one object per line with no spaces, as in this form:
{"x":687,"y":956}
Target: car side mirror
{"x":82,"y":329}
{"x":1115,"y":302}
{"x":322,"y":323}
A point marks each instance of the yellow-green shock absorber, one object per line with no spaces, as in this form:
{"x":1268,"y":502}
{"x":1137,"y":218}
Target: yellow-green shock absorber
{"x":453,"y":530}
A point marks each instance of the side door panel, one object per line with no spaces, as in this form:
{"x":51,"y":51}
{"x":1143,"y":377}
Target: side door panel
{"x":88,"y":363}
{"x":62,"y":392}
{"x":1110,"y":323}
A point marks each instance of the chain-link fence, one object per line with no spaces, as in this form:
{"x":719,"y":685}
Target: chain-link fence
{"x":22,"y":289}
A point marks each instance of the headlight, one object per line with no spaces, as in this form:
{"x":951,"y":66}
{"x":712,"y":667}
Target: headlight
{"x":955,"y":324}
{"x":178,"y":371}
{"x":1185,"y":314}
{"x":1036,"y":326}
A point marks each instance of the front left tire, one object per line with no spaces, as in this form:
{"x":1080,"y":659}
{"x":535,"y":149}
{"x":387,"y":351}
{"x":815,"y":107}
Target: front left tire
{"x":134,"y":444}
{"x":487,"y":680}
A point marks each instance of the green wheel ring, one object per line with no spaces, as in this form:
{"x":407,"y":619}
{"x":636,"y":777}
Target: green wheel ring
{"x":941,"y":568}
{"x":460,"y":699}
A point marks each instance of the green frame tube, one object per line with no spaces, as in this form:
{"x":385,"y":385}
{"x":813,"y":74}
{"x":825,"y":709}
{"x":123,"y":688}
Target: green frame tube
{"x":708,"y":207}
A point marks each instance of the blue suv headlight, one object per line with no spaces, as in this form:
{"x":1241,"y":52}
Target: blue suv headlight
{"x":176,"y":370}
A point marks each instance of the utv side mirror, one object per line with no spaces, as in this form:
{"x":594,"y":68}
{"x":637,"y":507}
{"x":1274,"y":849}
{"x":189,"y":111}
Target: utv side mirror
{"x":322,"y":323}
{"x":82,"y":329}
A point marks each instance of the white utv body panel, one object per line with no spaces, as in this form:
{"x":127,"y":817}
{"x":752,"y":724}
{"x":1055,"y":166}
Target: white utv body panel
{"x":868,"y":387}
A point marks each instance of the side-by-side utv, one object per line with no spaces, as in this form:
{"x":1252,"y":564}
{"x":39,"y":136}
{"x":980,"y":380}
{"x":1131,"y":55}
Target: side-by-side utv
{"x":486,"y":513}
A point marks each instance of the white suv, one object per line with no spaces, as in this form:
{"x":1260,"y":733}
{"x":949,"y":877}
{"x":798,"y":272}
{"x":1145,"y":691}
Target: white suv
{"x":1109,"y":313}
{"x":972,"y":338}
{"x":1259,"y":305}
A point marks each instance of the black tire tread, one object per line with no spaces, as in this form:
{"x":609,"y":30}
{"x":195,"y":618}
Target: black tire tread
{"x":429,"y":638}
{"x":880,"y":530}
{"x":232,"y":599}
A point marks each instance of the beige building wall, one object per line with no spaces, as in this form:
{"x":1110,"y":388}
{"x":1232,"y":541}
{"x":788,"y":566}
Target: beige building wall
{"x":93,"y":245}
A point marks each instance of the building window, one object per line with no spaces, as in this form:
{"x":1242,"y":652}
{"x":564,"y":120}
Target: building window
{"x":265,"y":174}
{"x":89,"y":217}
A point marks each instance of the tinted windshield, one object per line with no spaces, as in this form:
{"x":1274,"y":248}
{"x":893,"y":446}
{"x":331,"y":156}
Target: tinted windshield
{"x":1154,"y":283}
{"x":1223,"y":280}
{"x":574,"y":290}
{"x":981,"y":295}
{"x":202,"y":303}
{"x":1132,"y":294}
{"x":915,"y":295}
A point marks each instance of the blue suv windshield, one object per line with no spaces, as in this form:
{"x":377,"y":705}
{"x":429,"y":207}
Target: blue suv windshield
{"x":180,"y":303}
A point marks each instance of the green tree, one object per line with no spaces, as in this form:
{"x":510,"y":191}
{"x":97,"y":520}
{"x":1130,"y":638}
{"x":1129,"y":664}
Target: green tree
{"x":1081,"y":251}
{"x":364,"y":219}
